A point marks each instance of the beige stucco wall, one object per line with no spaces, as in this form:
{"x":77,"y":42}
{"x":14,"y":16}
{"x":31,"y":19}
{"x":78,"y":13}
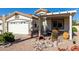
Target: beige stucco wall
{"x":49,"y":24}
{"x":66,"y":24}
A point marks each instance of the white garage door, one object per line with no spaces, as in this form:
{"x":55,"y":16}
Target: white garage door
{"x":18,"y":27}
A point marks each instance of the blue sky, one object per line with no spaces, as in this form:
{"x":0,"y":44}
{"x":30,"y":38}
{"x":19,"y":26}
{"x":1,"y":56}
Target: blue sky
{"x":31,"y":10}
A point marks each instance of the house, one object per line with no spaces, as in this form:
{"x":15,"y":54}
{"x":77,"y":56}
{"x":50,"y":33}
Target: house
{"x":42,"y":21}
{"x":1,"y":22}
{"x":18,"y":23}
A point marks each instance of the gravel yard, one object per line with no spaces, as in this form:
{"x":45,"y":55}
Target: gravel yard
{"x":22,"y":44}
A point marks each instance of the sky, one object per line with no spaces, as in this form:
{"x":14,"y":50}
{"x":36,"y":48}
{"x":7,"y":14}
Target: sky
{"x":6,"y":11}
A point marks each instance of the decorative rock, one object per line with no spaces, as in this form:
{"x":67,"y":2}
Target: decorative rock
{"x":55,"y":43}
{"x":75,"y":48}
{"x":5,"y":45}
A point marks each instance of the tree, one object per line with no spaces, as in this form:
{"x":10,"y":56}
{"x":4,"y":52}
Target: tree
{"x":74,"y":22}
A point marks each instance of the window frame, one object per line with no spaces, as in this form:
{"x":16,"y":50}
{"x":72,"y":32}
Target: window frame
{"x":57,"y":20}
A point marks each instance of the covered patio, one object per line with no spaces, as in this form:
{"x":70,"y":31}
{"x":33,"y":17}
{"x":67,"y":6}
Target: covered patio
{"x":61,"y":20}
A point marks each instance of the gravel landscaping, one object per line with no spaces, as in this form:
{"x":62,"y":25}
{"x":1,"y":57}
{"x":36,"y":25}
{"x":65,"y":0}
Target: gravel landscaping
{"x":31,"y":44}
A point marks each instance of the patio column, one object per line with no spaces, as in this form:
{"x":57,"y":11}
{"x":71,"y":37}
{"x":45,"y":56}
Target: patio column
{"x":70,"y":27}
{"x":45,"y":25}
{"x":39,"y":26}
{"x":31,"y":27}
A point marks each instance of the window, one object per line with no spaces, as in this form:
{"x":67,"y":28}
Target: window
{"x":58,"y":24}
{"x":55,"y":24}
{"x":11,"y":22}
{"x":24,"y":22}
{"x":35,"y":25}
{"x":0,"y":23}
{"x":21,"y":22}
{"x":14,"y":22}
{"x":16,"y":16}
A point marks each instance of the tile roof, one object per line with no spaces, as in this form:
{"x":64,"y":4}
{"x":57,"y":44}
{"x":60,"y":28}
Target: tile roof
{"x":19,"y":13}
{"x":41,"y":9}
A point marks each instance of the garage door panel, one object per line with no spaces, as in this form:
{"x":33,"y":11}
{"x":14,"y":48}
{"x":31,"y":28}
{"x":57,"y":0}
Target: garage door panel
{"x":19,"y":28}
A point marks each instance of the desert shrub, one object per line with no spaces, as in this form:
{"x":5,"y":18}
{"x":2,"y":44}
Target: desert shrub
{"x":54,"y":34}
{"x":2,"y":40}
{"x":74,"y":29}
{"x":9,"y":37}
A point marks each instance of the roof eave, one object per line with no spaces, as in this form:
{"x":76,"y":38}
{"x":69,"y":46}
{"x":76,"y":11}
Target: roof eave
{"x":65,"y":12}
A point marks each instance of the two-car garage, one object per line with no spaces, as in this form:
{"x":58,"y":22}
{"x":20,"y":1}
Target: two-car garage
{"x":18,"y":27}
{"x":19,"y":23}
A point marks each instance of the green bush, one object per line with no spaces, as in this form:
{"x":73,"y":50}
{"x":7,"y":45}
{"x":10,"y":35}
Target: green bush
{"x":2,"y":39}
{"x":9,"y":37}
{"x":74,"y":29}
